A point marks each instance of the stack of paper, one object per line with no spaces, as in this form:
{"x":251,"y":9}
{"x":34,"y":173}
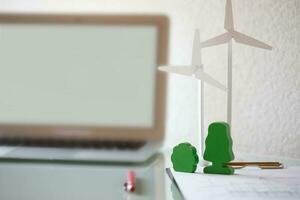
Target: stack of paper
{"x":251,"y":183}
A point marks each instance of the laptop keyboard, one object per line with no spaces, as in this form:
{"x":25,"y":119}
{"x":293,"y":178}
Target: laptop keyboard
{"x":122,"y":145}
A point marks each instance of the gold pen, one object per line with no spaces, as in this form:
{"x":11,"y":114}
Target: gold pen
{"x":262,"y":165}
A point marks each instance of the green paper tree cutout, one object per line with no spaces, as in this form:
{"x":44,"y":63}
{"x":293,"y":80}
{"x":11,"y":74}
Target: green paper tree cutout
{"x":185,"y":158}
{"x":218,"y":149}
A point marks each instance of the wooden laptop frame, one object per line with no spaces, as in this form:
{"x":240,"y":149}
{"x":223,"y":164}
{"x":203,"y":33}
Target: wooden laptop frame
{"x":58,"y":132}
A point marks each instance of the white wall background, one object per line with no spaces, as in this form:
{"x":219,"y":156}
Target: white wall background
{"x":266,"y":84}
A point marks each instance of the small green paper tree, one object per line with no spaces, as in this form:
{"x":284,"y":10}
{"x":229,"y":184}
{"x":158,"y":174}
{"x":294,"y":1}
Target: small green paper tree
{"x":184,"y":158}
{"x":218,"y":149}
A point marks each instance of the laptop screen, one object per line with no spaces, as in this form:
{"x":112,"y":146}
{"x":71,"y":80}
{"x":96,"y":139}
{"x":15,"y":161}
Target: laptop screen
{"x":77,"y":74}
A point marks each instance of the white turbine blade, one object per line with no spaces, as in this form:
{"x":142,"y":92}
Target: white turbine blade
{"x":183,"y":70}
{"x":228,"y":25}
{"x":220,"y":39}
{"x":208,"y":79}
{"x":247,"y":40}
{"x":196,"y":55}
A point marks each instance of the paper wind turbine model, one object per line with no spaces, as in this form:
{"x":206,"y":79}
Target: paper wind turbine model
{"x":227,"y":38}
{"x":196,"y":70}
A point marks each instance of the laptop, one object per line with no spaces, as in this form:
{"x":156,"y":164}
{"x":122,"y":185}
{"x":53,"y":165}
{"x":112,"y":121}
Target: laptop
{"x":82,"y":87}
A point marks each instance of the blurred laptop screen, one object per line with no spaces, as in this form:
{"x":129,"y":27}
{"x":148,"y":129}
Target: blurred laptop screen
{"x":78,"y":74}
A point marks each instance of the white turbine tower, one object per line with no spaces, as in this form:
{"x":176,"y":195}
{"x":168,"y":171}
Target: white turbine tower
{"x":227,"y":38}
{"x":196,"y":70}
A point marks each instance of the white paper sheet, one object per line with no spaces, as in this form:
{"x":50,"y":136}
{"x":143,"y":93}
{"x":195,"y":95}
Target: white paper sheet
{"x":245,"y":184}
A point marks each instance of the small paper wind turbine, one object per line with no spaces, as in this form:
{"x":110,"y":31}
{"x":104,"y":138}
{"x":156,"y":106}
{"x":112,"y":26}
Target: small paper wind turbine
{"x":227,"y":38}
{"x":196,"y":70}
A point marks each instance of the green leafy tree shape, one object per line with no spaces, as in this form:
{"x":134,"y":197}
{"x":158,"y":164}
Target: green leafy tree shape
{"x":218,"y":149}
{"x":184,"y":158}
